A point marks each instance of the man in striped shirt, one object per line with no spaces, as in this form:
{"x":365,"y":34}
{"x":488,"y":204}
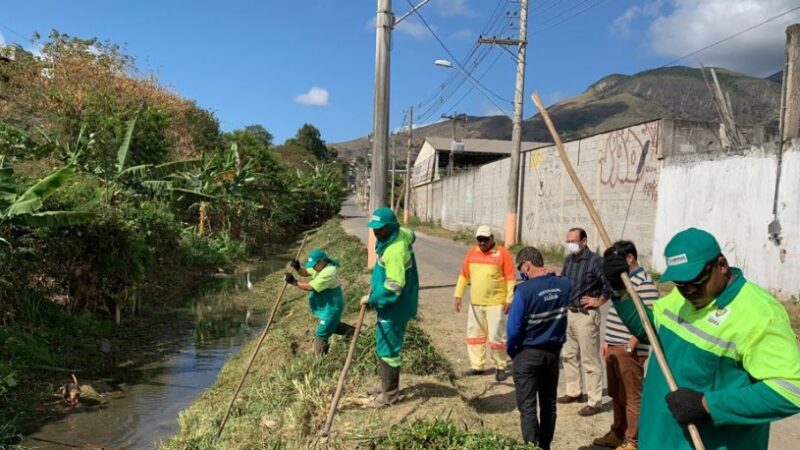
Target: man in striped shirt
{"x":625,"y":358}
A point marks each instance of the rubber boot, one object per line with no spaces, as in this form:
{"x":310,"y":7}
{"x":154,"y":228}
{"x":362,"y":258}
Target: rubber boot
{"x":345,"y":330}
{"x":320,"y":346}
{"x":390,"y":386}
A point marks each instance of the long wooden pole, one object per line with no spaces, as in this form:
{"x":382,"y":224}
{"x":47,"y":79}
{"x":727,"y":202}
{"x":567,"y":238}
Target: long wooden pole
{"x":326,"y":429}
{"x":648,"y":327}
{"x":258,"y":346}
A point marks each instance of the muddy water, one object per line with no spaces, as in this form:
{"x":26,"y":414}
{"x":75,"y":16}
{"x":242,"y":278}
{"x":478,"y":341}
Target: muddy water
{"x":142,"y":408}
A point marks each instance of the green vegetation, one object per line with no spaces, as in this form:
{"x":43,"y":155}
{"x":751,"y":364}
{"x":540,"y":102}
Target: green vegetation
{"x":117,"y":197}
{"x":444,"y":435}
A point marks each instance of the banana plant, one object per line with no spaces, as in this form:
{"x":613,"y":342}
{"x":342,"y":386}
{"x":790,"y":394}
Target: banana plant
{"x":24,"y":209}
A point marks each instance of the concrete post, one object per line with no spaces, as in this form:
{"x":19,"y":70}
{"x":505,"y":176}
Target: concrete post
{"x":791,"y":78}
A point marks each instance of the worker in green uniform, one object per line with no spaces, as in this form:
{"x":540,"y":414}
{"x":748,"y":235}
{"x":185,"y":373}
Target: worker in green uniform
{"x":325,"y":297}
{"x":730,"y":346}
{"x":394,"y":295}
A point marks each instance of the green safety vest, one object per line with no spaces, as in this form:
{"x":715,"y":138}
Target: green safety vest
{"x":326,"y":300}
{"x":395,"y":282}
{"x":740,"y":351}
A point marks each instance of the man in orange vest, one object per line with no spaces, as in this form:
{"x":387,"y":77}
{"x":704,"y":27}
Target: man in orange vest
{"x":490,"y":271}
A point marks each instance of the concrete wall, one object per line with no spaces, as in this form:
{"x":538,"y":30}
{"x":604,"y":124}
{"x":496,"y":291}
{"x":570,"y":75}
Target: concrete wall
{"x":607,"y":164}
{"x":731,"y":196}
{"x":685,"y":179}
{"x":622,"y":186}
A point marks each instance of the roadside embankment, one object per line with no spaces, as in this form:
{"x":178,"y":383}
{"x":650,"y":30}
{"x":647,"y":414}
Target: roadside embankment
{"x":287,"y":393}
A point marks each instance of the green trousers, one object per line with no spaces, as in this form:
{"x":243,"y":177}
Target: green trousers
{"x":389,"y":337}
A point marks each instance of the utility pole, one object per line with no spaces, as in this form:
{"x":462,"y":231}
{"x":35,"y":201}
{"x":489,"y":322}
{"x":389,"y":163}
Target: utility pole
{"x":512,"y":212}
{"x":391,"y":182}
{"x":407,"y":200}
{"x":384,"y":22}
{"x":453,"y":119}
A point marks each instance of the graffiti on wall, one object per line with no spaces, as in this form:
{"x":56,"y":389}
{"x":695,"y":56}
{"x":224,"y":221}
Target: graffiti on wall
{"x":629,"y":157}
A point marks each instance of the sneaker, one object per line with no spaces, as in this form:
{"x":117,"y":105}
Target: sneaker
{"x":610,"y":440}
{"x":473,"y":372}
{"x":589,"y":410}
{"x":564,"y":399}
{"x":627,"y":445}
{"x":500,"y":375}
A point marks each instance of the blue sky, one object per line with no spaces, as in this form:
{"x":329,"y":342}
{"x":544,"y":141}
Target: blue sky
{"x":285,"y":63}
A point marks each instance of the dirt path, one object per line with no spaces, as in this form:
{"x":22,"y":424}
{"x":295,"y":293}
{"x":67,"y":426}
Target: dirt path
{"x":439,"y":261}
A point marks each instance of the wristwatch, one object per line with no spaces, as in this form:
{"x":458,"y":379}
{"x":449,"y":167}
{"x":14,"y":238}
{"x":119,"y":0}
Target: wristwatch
{"x":628,"y":349}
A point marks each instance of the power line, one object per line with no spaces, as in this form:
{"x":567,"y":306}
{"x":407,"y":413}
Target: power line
{"x":454,"y":82}
{"x":548,"y":26}
{"x":452,"y":56}
{"x":12,"y":30}
{"x":739,"y":33}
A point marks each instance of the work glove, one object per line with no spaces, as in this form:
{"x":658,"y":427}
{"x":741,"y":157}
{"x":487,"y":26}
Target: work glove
{"x":295,"y":264}
{"x":687,"y":406}
{"x":289,"y":278}
{"x":614,"y":265}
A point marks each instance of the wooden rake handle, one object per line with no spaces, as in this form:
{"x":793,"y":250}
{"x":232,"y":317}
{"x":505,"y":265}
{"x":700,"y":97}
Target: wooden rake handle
{"x":640,"y":309}
{"x":326,"y":429}
{"x":258,"y":346}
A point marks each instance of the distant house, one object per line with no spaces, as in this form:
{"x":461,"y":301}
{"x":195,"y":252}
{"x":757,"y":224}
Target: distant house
{"x":433,"y":160}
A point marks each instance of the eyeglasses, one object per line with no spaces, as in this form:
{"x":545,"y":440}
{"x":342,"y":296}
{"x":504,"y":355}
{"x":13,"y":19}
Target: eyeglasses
{"x":482,"y":239}
{"x":704,"y":275}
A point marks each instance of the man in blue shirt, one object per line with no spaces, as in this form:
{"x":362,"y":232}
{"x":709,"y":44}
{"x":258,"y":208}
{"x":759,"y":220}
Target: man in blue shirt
{"x":536,"y":331}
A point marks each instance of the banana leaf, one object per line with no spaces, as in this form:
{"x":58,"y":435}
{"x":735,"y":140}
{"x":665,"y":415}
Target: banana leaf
{"x":53,"y":218}
{"x":33,"y":199}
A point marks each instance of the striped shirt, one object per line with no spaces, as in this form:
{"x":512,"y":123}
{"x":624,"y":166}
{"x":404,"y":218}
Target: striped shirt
{"x":616,"y":332}
{"x":585,"y":271}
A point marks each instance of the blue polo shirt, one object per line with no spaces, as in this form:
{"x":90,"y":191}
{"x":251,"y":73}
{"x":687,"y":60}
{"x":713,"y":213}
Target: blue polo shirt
{"x":538,"y":315}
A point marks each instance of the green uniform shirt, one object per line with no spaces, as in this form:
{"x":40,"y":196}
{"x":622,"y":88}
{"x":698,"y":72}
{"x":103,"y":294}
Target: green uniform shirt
{"x":395,"y":282}
{"x":739,"y":350}
{"x":326,"y":300}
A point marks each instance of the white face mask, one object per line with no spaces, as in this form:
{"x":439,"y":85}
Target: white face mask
{"x":572,"y":248}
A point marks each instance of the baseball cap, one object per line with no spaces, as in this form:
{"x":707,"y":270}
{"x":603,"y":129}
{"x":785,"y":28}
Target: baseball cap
{"x":483,"y":231}
{"x":381,"y":217}
{"x":315,"y":256}
{"x":687,"y":253}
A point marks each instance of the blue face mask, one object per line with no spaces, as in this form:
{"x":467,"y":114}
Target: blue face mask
{"x":524,"y":276}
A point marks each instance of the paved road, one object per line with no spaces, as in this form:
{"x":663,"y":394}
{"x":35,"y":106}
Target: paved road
{"x":439,"y":261}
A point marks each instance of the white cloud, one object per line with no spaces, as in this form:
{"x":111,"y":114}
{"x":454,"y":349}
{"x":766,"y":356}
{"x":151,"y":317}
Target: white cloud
{"x":622,"y":25}
{"x":450,"y":8}
{"x":316,"y":96}
{"x":413,"y":28}
{"x":492,"y":110}
{"x":464,"y":34}
{"x":679,"y":27}
{"x":410,"y":26}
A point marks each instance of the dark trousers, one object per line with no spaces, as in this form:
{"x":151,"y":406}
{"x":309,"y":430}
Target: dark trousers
{"x":536,"y":375}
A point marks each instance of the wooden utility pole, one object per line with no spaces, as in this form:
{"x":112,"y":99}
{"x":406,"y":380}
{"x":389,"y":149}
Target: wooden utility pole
{"x":407,"y":200}
{"x":791,"y":79}
{"x":511,"y":230}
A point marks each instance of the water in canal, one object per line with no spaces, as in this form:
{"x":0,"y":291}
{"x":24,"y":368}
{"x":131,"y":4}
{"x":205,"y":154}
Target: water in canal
{"x":144,"y":407}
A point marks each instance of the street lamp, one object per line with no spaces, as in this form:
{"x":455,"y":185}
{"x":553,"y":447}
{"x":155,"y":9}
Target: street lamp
{"x":447,"y":64}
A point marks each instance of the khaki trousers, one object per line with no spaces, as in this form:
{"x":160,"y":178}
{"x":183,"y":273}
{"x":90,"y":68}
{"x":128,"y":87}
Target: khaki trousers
{"x":582,"y":351}
{"x":486,"y":324}
{"x":625,"y":373}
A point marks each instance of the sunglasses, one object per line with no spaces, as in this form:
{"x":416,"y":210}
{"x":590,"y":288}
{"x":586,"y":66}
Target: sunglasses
{"x":699,"y":279}
{"x":482,"y":239}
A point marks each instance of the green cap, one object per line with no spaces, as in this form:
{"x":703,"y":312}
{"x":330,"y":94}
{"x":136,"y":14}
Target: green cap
{"x":315,"y":256}
{"x":687,"y":254}
{"x":381,"y":217}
